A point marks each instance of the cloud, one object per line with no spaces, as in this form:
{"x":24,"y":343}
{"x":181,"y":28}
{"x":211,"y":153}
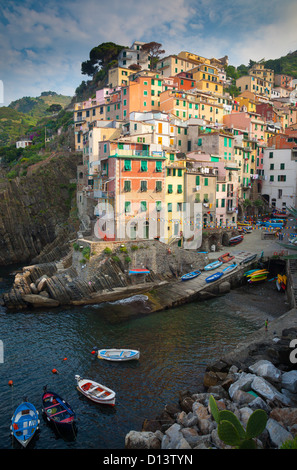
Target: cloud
{"x":42,"y":44}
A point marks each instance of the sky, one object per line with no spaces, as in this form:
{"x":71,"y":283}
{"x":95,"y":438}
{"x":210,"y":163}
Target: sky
{"x":43,"y":43}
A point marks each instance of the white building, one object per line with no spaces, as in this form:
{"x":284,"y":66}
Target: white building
{"x":23,"y":143}
{"x":280,"y":178}
{"x":134,"y":55}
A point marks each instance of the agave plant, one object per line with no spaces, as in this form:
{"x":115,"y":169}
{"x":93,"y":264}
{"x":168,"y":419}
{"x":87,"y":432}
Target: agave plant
{"x":231,"y":431}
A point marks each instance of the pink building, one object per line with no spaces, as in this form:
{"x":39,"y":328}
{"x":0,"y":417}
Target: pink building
{"x":251,"y":123}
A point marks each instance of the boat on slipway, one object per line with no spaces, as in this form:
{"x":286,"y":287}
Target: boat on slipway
{"x":214,"y":277}
{"x":226,"y":258}
{"x":213,"y":265}
{"x":230,"y":268}
{"x":192,"y":275}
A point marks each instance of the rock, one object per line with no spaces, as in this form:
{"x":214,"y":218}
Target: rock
{"x":242,"y":398}
{"x":287,"y":417}
{"x":219,"y":390}
{"x":172,"y":410}
{"x":217,"y":441}
{"x":243,"y":383}
{"x":44,"y":294}
{"x":266,"y":369}
{"x":277,"y":433}
{"x":191,"y":436}
{"x":172,"y":437}
{"x":39,"y":301}
{"x":289,"y":381}
{"x":210,"y":379}
{"x":151,"y":425}
{"x":268,"y":391}
{"x":205,"y":422}
{"x":186,"y":404}
{"x":224,"y":287}
{"x":259,"y":404}
{"x":142,"y":440}
{"x":244,"y":414}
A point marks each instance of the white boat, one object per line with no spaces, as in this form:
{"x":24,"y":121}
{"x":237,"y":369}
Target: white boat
{"x":119,"y":355}
{"x":94,"y":391}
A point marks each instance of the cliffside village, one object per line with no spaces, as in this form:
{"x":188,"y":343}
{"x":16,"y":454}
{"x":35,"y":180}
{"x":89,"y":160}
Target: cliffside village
{"x":155,"y":142}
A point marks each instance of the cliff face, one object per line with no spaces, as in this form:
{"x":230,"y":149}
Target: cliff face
{"x":35,"y":210}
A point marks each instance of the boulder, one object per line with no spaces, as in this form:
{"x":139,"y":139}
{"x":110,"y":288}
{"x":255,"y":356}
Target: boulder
{"x":33,"y":288}
{"x":40,"y":301}
{"x":266,"y":369}
{"x":289,"y":381}
{"x":142,"y":440}
{"x":278,"y":435}
{"x":287,"y":417}
{"x":268,"y":391}
{"x":243,"y":383}
{"x":242,"y":398}
{"x":172,"y":437}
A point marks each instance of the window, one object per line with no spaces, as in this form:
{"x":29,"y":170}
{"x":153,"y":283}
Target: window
{"x":169,"y":207}
{"x":143,"y":206}
{"x":205,"y":181}
{"x":270,"y":154}
{"x":127,"y":165}
{"x":271,"y":166}
{"x":282,"y":166}
{"x":271,"y":178}
{"x":127,"y":207}
{"x":143,"y":186}
{"x":158,"y":206}
{"x":198,"y":180}
{"x":158,"y":186}
{"x":127,"y":186}
{"x":281,"y":178}
{"x":143,"y":165}
{"x":170,"y":189}
{"x":179,"y":172}
{"x":179,"y":188}
{"x":158,"y":166}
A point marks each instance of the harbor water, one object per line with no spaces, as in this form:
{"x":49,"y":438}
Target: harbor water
{"x":175,"y":346}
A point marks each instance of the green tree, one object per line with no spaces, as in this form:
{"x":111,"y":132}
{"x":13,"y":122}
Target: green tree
{"x":154,"y":51}
{"x":101,"y":57}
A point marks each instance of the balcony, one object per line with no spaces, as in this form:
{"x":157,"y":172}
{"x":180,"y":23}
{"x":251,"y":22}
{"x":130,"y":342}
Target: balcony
{"x":98,"y":194}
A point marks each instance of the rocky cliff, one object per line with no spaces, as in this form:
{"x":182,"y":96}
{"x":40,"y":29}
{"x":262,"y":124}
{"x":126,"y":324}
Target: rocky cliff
{"x":35,"y":211}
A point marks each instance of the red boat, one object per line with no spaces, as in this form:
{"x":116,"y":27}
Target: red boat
{"x":226,"y":257}
{"x":235,"y":240}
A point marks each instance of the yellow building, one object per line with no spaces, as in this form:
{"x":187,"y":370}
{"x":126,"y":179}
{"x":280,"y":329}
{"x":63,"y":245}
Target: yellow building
{"x":207,"y":79}
{"x":254,"y":84}
{"x":118,"y":76}
{"x":248,"y":102}
{"x":172,"y":65}
{"x":258,"y":70}
{"x":174,"y":196}
{"x":193,"y":58}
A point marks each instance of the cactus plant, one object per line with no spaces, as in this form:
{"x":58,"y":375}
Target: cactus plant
{"x":230,"y":429}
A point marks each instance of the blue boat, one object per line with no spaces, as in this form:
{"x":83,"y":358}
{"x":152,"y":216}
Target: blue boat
{"x":192,"y":275}
{"x":24,"y":423}
{"x":214,"y":265}
{"x":57,"y":411}
{"x":230,"y":268}
{"x":214,"y":277}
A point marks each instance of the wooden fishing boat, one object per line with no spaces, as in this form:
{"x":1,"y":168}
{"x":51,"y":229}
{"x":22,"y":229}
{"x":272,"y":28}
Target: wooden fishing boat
{"x":226,"y":258}
{"x":95,"y":391}
{"x":24,"y":423}
{"x":248,"y":259}
{"x":119,"y":355}
{"x":235,"y":240}
{"x":214,"y":265}
{"x":57,"y":411}
{"x":230,"y":268}
{"x":192,"y":275}
{"x":214,"y":277}
{"x":139,"y":271}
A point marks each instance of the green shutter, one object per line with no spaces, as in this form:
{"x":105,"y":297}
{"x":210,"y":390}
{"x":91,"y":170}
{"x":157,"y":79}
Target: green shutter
{"x":179,"y":188}
{"x":170,"y":189}
{"x":127,"y":206}
{"x":127,"y":165}
{"x":158,"y":166}
{"x":143,"y":206}
{"x":143,"y":165}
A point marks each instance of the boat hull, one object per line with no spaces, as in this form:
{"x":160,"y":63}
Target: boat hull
{"x":96,"y":392}
{"x":226,"y":258}
{"x":24,"y":423}
{"x":57,"y":411}
{"x":189,"y":276}
{"x":235,"y":240}
{"x":118,"y":355}
{"x":213,"y":277}
{"x":230,"y":268}
{"x":214,"y":265}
